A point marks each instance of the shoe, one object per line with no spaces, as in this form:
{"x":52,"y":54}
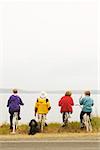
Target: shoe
{"x":63,"y":125}
{"x":11,"y":127}
{"x":19,"y":118}
{"x":46,"y":124}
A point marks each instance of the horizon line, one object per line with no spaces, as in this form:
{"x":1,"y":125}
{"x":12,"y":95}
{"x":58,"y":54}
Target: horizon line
{"x":3,"y":90}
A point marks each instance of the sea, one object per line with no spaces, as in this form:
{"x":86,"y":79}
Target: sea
{"x":54,"y":115}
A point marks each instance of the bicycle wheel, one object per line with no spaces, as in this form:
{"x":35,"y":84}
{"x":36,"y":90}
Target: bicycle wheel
{"x":42,"y":123}
{"x":90,"y":125}
{"x":87,"y":122}
{"x":66,"y":118}
{"x":15,"y":121}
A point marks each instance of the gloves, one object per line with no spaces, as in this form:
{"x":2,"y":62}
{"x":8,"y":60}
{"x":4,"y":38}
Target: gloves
{"x":49,"y":108}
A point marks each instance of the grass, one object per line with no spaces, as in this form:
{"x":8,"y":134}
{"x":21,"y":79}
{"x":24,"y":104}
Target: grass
{"x":73,"y":127}
{"x":96,"y":124}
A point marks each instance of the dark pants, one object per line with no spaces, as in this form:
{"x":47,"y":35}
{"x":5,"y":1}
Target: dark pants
{"x":11,"y":118}
{"x":82,"y":114}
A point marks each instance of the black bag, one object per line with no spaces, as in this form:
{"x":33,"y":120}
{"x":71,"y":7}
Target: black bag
{"x":33,"y":127}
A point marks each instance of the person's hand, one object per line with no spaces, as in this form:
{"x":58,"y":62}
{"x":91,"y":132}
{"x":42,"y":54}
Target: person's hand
{"x":49,"y":108}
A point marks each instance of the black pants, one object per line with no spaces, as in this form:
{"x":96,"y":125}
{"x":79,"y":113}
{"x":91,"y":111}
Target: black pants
{"x":11,"y":118}
{"x":82,"y":114}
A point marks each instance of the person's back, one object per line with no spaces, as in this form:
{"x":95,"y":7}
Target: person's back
{"x":87,"y":103}
{"x":42,"y":105}
{"x":66,"y":103}
{"x":14,"y":103}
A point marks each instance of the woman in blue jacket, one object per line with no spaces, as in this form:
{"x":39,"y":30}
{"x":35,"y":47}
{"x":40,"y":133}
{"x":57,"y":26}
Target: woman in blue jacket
{"x":87,"y":103}
{"x":14,"y":103}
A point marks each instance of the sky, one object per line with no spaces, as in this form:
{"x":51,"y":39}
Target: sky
{"x":49,"y":45}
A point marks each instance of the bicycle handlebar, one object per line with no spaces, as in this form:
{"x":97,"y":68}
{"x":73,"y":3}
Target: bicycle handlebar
{"x":78,"y":105}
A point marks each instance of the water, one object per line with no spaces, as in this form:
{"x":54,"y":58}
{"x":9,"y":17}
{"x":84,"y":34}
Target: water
{"x":27,"y":111}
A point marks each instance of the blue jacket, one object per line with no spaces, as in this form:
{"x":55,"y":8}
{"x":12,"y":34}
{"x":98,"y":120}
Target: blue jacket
{"x":14,"y":103}
{"x":87,"y":103}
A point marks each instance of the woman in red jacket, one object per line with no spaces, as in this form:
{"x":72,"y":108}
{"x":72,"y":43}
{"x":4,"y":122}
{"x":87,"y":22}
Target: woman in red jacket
{"x":66,"y":103}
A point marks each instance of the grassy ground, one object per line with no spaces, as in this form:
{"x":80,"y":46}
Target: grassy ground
{"x":54,"y":128}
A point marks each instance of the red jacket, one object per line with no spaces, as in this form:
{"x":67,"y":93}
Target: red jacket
{"x":66,"y":103}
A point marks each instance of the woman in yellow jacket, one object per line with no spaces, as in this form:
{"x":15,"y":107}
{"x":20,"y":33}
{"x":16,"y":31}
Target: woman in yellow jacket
{"x":42,"y":105}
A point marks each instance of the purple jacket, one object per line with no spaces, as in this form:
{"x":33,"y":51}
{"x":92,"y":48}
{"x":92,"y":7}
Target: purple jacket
{"x":14,"y":103}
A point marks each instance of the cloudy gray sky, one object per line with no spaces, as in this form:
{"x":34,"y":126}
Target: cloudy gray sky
{"x":49,"y":45}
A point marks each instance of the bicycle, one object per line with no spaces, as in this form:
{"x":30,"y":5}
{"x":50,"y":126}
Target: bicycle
{"x":15,"y":122}
{"x":86,"y":121}
{"x":66,"y":116}
{"x":42,"y":118}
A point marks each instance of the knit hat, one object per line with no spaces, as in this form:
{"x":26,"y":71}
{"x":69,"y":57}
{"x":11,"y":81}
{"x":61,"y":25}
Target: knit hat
{"x":43,"y":94}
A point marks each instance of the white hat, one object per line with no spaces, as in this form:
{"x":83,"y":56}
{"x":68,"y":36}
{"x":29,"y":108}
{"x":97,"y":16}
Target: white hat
{"x":43,"y":94}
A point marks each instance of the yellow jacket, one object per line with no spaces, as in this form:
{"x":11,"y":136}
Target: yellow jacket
{"x":42,"y":106}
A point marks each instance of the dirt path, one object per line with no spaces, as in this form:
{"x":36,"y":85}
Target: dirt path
{"x":50,"y":145}
{"x":58,"y":136}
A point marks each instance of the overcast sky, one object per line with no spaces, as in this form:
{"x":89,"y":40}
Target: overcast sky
{"x":49,"y":45}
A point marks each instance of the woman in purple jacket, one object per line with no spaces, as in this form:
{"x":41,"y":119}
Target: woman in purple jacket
{"x":14,"y":103}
